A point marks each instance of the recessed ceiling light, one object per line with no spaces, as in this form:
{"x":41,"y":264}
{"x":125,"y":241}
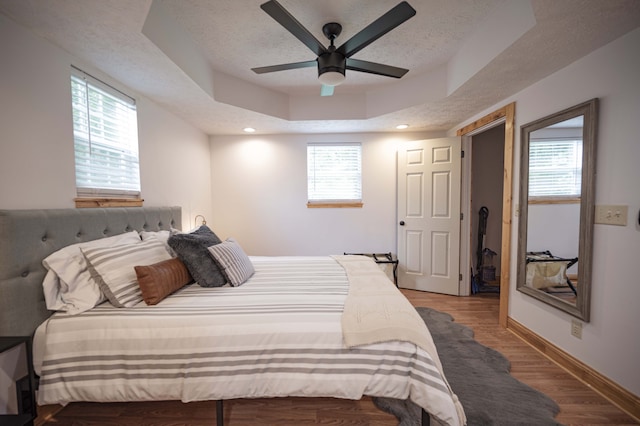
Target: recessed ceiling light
{"x":402,"y":126}
{"x":249,"y":129}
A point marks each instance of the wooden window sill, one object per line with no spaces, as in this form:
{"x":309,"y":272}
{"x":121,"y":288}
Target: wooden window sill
{"x":348,"y":205}
{"x":554,"y":200}
{"x":108,"y":202}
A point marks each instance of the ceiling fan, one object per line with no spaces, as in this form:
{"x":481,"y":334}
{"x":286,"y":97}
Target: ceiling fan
{"x":332,"y":62}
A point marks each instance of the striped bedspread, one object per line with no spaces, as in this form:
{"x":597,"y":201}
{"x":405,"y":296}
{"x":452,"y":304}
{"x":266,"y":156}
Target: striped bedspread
{"x":279,"y":334}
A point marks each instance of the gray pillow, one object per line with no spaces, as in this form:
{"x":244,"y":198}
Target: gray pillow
{"x":192,"y":249}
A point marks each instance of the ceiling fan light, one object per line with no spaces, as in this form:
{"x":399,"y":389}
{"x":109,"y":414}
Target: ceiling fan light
{"x":331,"y":78}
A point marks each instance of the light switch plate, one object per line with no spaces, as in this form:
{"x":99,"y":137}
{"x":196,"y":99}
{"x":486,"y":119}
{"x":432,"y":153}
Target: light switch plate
{"x":612,"y":215}
{"x":576,"y":328}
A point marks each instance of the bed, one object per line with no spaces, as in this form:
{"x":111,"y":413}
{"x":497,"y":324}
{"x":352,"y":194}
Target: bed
{"x":298,"y":326}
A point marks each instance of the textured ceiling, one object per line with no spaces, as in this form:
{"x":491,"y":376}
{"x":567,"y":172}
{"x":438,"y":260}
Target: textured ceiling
{"x":194,"y":57}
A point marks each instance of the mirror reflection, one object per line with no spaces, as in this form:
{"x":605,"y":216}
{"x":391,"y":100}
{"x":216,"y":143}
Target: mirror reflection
{"x":555,"y":175}
{"x":556,"y":208}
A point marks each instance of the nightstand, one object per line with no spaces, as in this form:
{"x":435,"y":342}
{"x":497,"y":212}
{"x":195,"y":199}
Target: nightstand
{"x":382,"y":258}
{"x":17,"y":382}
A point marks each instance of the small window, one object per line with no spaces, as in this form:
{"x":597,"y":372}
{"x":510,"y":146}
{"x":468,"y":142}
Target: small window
{"x":105,"y":134}
{"x":334,"y":175}
{"x":555,"y":168}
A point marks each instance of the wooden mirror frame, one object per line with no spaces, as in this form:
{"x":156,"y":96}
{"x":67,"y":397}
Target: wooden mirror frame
{"x":589,"y":110}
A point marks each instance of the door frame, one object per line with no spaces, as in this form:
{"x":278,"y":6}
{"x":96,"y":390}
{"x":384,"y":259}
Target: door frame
{"x":506,"y":114}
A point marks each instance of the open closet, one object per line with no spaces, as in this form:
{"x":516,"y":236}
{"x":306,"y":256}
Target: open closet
{"x":486,"y":158}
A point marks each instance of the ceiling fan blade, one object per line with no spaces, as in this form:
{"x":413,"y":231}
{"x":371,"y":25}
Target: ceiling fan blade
{"x":326,"y":90}
{"x":396,"y":16}
{"x":291,"y":24}
{"x":283,"y":67}
{"x":375,"y":68}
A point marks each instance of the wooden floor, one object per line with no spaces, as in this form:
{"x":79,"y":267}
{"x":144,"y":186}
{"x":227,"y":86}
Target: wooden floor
{"x":579,"y":404}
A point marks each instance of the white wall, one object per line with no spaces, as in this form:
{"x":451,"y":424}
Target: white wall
{"x":36,"y":136}
{"x":260,"y":187}
{"x":610,"y":342}
{"x":554,"y":227}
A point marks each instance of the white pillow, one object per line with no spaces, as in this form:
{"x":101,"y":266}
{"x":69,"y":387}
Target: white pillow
{"x":113,"y":268}
{"x":162,"y":235}
{"x":155,"y":235}
{"x":68,"y":285}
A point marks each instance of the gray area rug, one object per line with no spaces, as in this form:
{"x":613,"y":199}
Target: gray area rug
{"x":480,"y":377}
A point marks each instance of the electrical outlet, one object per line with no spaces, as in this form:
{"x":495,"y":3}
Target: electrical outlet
{"x":576,"y":328}
{"x":612,"y":215}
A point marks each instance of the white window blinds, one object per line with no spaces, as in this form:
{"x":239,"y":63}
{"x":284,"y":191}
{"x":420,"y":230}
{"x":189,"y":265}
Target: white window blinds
{"x":105,"y":133}
{"x":334,"y":172}
{"x":555,"y":167}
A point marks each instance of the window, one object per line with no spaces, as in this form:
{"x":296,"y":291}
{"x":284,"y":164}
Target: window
{"x":555,"y":168}
{"x":105,"y":134}
{"x":334,"y":175}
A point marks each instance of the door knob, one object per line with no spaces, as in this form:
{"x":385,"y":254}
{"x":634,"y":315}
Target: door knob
{"x":402,"y":223}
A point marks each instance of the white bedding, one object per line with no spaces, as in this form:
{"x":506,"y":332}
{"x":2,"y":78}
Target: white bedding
{"x":279,"y":334}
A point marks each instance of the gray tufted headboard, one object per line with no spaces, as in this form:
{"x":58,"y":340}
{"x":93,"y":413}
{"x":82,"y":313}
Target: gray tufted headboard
{"x":29,"y":236}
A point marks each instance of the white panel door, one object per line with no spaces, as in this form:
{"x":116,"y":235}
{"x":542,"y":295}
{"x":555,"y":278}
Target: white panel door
{"x":429,"y":215}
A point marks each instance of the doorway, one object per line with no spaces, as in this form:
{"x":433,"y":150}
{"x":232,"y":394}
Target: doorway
{"x":486,"y":161}
{"x":504,"y":115}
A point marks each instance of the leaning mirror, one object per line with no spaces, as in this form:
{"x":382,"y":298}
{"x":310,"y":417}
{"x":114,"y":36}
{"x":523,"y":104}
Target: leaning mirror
{"x":557,"y":176}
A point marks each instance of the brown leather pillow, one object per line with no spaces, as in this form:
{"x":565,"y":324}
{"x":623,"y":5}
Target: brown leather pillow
{"x":159,"y":280}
